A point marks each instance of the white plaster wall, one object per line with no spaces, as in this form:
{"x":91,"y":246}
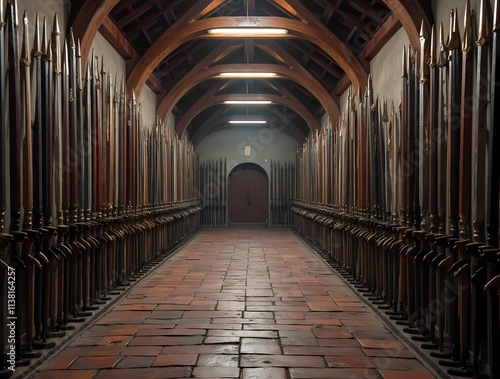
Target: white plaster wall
{"x":147,"y":99}
{"x":114,"y":64}
{"x":385,"y":69}
{"x":267,"y":144}
{"x":45,"y":9}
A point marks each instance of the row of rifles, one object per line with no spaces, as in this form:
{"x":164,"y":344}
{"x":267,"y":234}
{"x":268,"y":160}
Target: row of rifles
{"x":405,"y":202}
{"x":89,"y":196}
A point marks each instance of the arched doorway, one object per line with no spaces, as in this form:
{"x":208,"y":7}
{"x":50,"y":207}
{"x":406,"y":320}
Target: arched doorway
{"x":248,"y":194}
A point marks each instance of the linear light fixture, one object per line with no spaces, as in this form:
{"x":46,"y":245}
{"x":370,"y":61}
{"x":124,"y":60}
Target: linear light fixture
{"x":248,"y":31}
{"x":247,"y":74}
{"x":247,"y":102}
{"x":248,"y":122}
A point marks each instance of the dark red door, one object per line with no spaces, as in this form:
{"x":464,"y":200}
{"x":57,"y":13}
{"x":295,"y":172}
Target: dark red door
{"x":248,"y":194}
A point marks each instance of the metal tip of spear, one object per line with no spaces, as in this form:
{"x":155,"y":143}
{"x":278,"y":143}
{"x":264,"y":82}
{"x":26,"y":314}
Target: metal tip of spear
{"x":71,"y":39}
{"x":467,"y":40}
{"x":443,"y":50}
{"x":454,"y":42}
{"x":25,"y":50}
{"x":496,"y":17}
{"x":404,"y":64}
{"x":1,"y":14}
{"x":36,"y":43}
{"x":482,"y":33}
{"x":78,"y":48}
{"x":433,"y":58}
{"x":55,"y":27}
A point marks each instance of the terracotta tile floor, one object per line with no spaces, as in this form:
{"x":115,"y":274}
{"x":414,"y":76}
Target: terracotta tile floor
{"x":241,"y":302}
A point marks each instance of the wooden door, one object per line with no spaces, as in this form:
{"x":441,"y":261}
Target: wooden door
{"x":248,"y":191}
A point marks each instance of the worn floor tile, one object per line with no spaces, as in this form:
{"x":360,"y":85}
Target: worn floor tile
{"x":239,"y":302}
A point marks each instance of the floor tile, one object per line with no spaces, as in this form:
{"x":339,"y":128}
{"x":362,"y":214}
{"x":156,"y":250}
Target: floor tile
{"x":247,"y":302}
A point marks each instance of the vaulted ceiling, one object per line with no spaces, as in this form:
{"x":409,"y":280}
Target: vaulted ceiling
{"x":166,"y":46}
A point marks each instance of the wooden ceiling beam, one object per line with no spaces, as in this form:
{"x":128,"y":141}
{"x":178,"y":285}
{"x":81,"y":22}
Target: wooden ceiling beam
{"x":410,"y":14}
{"x":218,"y":120}
{"x":199,"y":106}
{"x":298,"y":74}
{"x":116,"y":38}
{"x":380,"y":37}
{"x":92,"y":14}
{"x":88,"y":21}
{"x":134,"y":14}
{"x":181,"y":33}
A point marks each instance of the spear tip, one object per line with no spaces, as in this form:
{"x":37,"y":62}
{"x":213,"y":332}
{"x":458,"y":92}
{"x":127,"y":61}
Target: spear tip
{"x":443,"y":50}
{"x":48,"y":52}
{"x":1,"y":14}
{"x":423,"y":31}
{"x":467,"y":42}
{"x":25,"y":43}
{"x":65,"y":57}
{"x":481,"y":33}
{"x":405,"y":72}
{"x":55,"y":27}
{"x":454,"y":42}
{"x":78,"y":48}
{"x":36,"y":43}
{"x":71,"y":37}
{"x":433,"y":58}
{"x":14,"y":5}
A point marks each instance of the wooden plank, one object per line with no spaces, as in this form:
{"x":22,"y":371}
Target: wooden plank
{"x":116,"y":38}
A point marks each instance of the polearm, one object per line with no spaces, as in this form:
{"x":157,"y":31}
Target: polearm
{"x":51,"y":279}
{"x":424,"y":128}
{"x":15,"y":125}
{"x":453,"y":166}
{"x":478,"y":279}
{"x":14,"y":93}
{"x":493,"y":177}
{"x":492,"y":200}
{"x":422,"y":181}
{"x":27,"y":173}
{"x":431,"y":145}
{"x":461,"y":269}
{"x":5,"y":239}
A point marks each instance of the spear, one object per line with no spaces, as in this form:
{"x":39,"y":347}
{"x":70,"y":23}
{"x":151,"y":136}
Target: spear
{"x":478,"y":138}
{"x":5,"y":239}
{"x":493,"y":201}
{"x":14,"y":116}
{"x":453,"y":172}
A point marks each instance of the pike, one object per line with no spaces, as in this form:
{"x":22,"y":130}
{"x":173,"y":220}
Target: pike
{"x":27,"y":170}
{"x":453,"y":174}
{"x":478,"y":138}
{"x":5,"y":239}
{"x":15,"y":126}
{"x":492,"y":202}
{"x":461,"y":268}
{"x":431,"y":147}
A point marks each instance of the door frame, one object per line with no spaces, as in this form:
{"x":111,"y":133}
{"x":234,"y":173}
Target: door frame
{"x":256,"y":167}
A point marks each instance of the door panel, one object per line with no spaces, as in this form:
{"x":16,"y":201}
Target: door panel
{"x":248,"y":199}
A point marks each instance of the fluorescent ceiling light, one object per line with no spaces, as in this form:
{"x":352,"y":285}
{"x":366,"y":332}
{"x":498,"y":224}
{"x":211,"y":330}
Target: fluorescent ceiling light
{"x":247,"y":74}
{"x":247,"y":102}
{"x":247,"y":122}
{"x":248,"y":31}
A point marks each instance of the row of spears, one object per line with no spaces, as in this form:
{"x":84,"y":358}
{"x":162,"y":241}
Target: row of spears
{"x":281,"y":188}
{"x":89,"y":196}
{"x":406,"y":201}
{"x":213,"y":191}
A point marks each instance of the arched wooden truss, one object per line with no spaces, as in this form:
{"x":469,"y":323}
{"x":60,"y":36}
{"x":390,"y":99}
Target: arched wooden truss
{"x":204,"y":103}
{"x":192,"y":26}
{"x":193,"y":78}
